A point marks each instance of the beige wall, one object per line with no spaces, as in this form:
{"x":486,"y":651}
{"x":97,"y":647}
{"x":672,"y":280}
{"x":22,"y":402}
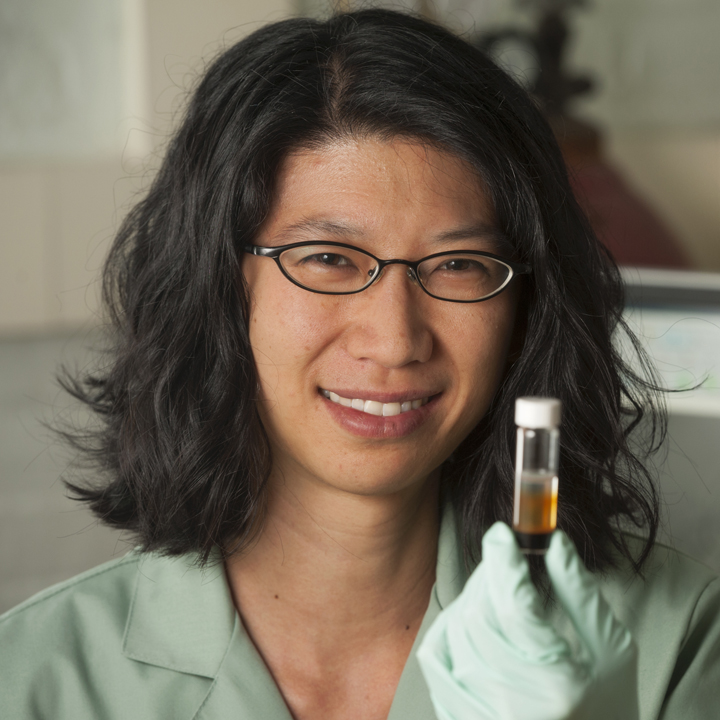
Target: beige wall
{"x":184,"y":34}
{"x":55,"y":223}
{"x":57,"y":217}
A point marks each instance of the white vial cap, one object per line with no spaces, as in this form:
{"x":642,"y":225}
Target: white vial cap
{"x":537,"y":412}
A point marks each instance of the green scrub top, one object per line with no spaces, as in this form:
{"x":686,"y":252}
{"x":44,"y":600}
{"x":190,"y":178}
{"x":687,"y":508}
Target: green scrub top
{"x":146,"y":636}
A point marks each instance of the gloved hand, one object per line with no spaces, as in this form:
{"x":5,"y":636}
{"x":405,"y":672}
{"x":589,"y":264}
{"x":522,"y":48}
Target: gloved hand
{"x":493,"y":654}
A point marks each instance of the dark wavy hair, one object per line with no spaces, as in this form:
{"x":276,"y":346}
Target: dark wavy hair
{"x":182,"y":454}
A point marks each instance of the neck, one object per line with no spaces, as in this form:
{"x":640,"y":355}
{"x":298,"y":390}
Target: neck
{"x":348,"y":564}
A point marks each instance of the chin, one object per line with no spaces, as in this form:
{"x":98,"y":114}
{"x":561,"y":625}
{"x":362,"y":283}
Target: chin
{"x":381,"y":482}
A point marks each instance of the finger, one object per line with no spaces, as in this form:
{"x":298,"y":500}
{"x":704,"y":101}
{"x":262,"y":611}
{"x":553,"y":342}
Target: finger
{"x":579,"y":593}
{"x":451,"y":698}
{"x":504,"y":597}
{"x":512,"y":660}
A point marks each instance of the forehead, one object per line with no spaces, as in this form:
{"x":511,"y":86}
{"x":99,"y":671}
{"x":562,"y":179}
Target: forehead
{"x":396,"y":189}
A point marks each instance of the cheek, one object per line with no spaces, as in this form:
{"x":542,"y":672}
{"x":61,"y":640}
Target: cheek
{"x":481,"y":348}
{"x":289,"y":328}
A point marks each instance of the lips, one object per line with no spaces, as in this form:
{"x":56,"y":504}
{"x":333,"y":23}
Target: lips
{"x":375,"y":407}
{"x":368,"y":421}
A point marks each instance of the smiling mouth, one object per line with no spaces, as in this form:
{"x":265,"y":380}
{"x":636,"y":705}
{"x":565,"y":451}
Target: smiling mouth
{"x":373,"y":407}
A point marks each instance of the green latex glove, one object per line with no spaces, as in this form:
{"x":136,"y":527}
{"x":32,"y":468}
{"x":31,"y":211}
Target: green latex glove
{"x":494,"y":654}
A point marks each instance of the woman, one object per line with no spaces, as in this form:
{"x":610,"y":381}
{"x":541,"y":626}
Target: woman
{"x":309,"y":441}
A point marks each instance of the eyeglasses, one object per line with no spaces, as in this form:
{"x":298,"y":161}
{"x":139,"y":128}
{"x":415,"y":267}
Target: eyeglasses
{"x":463,"y":276}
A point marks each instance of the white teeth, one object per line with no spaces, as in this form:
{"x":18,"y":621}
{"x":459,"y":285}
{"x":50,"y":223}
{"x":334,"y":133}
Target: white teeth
{"x":373,"y":407}
{"x":389,"y":409}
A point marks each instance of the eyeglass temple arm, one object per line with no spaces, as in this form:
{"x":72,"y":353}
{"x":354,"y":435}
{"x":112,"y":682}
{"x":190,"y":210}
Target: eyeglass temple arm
{"x":271,"y":252}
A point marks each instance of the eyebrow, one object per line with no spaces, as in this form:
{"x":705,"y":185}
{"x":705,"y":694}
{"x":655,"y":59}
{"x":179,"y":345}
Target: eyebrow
{"x":324,"y":226}
{"x":478,"y":231}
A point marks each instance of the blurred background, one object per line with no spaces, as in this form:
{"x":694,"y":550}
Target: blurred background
{"x":90,"y":92}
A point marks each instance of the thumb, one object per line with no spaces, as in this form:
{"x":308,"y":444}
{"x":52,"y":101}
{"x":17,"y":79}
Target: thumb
{"x":579,"y":593}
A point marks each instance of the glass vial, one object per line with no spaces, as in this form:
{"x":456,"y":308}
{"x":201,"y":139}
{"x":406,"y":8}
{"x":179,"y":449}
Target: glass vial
{"x":536,"y":467}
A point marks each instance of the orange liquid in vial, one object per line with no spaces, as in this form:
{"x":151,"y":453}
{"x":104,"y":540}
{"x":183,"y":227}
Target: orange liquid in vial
{"x":536,"y":504}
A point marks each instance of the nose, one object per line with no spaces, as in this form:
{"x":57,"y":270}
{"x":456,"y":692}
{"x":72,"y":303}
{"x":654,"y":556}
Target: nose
{"x":388,"y":324}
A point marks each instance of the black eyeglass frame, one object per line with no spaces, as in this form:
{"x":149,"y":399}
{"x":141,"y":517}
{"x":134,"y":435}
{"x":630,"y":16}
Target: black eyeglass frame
{"x":516,"y":269}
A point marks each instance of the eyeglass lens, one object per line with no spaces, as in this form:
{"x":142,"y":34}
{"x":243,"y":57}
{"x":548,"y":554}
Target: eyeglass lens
{"x":331,"y":269}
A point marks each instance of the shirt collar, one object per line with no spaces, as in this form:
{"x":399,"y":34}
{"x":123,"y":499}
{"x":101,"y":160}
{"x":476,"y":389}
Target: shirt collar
{"x":451,"y":573}
{"x":182,"y":617}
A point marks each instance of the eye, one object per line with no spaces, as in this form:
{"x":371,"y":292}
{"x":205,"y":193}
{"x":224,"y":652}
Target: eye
{"x":328,"y":260}
{"x":456,"y":265}
{"x":463,"y":265}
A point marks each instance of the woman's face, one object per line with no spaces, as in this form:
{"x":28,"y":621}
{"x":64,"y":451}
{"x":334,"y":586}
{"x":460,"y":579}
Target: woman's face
{"x":390,"y":344}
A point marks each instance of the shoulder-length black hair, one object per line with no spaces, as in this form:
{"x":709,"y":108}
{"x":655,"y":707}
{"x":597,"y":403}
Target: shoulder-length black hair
{"x":183,"y":454}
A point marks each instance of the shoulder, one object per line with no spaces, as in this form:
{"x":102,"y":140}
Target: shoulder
{"x":671,"y":583}
{"x":673,"y":612}
{"x":86,"y":599}
{"x":142,"y":637}
{"x":51,"y":644}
